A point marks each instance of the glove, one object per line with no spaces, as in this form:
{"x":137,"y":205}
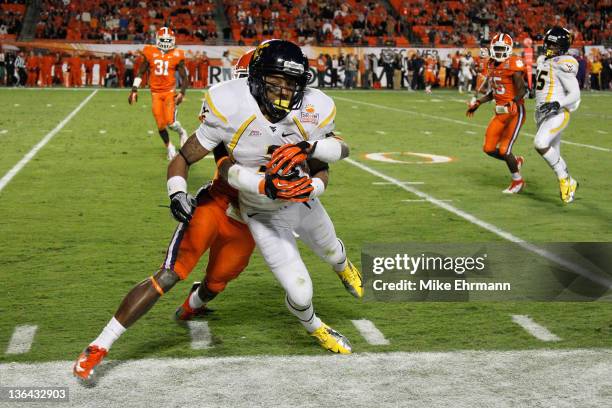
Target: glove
{"x":512,"y":108}
{"x":293,"y":189}
{"x":472,"y":108}
{"x":182,"y":206}
{"x":133,"y":98}
{"x":549,"y":108}
{"x":285,"y":158}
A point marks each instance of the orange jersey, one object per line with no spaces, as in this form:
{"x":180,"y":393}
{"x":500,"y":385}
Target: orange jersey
{"x":482,"y":65}
{"x":430,"y":64}
{"x":500,"y":76}
{"x":162,"y":67}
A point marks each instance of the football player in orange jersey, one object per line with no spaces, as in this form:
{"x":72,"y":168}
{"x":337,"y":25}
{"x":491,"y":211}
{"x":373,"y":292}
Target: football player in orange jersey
{"x":507,"y":80}
{"x":482,"y":85}
{"x":162,"y":61}
{"x":241,"y":69}
{"x":431,"y":69}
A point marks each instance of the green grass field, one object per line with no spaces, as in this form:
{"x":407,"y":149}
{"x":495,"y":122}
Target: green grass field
{"x":84,"y":221}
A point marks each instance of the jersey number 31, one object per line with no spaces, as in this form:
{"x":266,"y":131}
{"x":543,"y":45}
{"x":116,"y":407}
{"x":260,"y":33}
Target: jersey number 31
{"x":161,"y":67}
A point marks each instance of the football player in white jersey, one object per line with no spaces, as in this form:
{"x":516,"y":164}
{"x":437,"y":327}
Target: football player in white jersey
{"x":252,"y":117}
{"x":557,"y":94}
{"x":466,"y":73}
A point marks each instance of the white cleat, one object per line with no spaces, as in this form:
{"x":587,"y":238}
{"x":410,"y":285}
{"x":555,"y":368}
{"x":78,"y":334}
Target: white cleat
{"x":171,"y":151}
{"x":515,"y":187}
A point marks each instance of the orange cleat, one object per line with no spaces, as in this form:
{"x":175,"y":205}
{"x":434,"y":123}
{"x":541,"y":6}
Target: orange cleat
{"x":515,"y":187}
{"x":84,"y":367}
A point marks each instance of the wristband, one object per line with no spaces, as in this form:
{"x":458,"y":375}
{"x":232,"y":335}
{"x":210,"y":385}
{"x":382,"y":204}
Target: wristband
{"x":137,"y":82}
{"x":243,"y":180}
{"x":319,"y":187}
{"x":328,"y":150}
{"x":176,"y":184}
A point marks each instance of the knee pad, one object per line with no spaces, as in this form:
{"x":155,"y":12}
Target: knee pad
{"x":541,"y":142}
{"x":164,"y":280}
{"x":299,"y":305}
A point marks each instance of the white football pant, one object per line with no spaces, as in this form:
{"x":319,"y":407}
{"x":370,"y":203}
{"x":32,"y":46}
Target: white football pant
{"x":550,"y":130}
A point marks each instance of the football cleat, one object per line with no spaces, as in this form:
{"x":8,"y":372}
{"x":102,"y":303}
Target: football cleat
{"x":331,"y":340}
{"x":515,"y":187}
{"x":171,"y":151}
{"x":567,"y":187}
{"x":351,"y":279}
{"x":186,"y":312}
{"x":93,"y":355}
{"x":183,"y":136}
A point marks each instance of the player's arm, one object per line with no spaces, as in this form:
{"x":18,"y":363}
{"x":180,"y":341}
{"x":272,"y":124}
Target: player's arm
{"x":184,"y":81}
{"x":566,"y":73}
{"x":474,"y":106}
{"x":519,"y":85}
{"x":144,"y":67}
{"x":182,"y":204}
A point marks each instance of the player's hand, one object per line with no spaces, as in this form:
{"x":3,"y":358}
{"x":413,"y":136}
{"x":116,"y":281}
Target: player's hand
{"x":285,"y":158}
{"x":178,"y":98}
{"x":182,"y":206}
{"x":549,"y":108}
{"x":133,"y":98}
{"x":472,"y":108}
{"x":512,"y":107}
{"x":297,"y":189}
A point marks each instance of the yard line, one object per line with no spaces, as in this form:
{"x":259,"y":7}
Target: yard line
{"x":370,"y":333}
{"x":459,"y":122}
{"x":487,"y":226}
{"x":538,"y":331}
{"x":17,"y":168}
{"x":420,"y":200}
{"x":201,"y":337}
{"x":386,"y":183}
{"x":22,"y":339}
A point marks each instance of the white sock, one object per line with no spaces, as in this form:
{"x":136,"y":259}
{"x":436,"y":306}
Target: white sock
{"x":110,"y":333}
{"x":308,"y":318}
{"x":556,"y":162}
{"x":341,"y":266}
{"x":176,"y":126}
{"x":194,"y":300}
{"x":516,"y":176}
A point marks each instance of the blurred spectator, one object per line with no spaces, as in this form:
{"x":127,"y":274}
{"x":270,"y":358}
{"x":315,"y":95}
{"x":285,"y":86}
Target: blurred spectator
{"x":321,"y":67}
{"x":128,"y":75}
{"x":596,"y":69}
{"x":20,"y":67}
{"x":226,"y":66}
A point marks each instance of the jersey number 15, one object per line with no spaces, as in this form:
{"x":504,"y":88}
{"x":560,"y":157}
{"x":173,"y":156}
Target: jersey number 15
{"x":541,"y":80}
{"x":161,"y":67}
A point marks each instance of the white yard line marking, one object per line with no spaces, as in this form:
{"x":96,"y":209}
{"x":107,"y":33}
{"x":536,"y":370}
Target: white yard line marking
{"x":17,"y":168}
{"x":16,"y":105}
{"x":102,"y":131}
{"x":381,"y":132}
{"x":386,"y":183}
{"x":22,"y":339}
{"x":536,"y":330}
{"x":49,"y":105}
{"x":201,"y":338}
{"x":459,"y":122}
{"x":370,"y":333}
{"x":150,"y":132}
{"x":487,"y":226}
{"x":3,"y":131}
{"x":551,"y":378}
{"x":471,"y":132}
{"x":602,"y":132}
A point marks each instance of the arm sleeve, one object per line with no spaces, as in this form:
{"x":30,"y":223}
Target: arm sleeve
{"x":566,"y":72}
{"x":214,"y":125}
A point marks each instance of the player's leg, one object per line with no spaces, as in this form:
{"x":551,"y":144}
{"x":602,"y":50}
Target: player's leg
{"x":547,"y":143}
{"x":514,"y":163}
{"x":493,"y":135}
{"x":171,"y":113}
{"x":229,"y":256}
{"x":273,"y":234}
{"x":187,"y":245}
{"x":317,"y":231}
{"x":159,"y":114}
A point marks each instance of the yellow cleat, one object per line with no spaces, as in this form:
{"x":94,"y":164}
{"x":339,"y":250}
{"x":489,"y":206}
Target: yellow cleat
{"x":331,"y":340}
{"x":567,"y":189}
{"x":352,"y":280}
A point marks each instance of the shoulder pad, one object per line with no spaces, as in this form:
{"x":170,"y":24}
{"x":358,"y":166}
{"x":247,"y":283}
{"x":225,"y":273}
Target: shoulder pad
{"x":566,"y":63}
{"x":227,"y":99}
{"x":318,"y":109}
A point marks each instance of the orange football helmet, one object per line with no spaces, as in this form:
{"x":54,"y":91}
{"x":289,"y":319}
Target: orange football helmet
{"x":241,"y":69}
{"x":501,"y":47}
{"x":165,"y":39}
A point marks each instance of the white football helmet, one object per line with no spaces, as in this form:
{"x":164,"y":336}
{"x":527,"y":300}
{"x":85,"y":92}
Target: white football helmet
{"x":164,"y":39}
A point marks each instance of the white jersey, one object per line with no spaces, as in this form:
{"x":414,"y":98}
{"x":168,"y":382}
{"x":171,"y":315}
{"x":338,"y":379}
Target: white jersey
{"x":467,"y":65}
{"x":556,"y":82}
{"x":232,"y":117}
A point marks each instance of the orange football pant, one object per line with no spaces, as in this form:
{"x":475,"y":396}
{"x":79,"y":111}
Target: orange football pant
{"x":503,"y":131}
{"x":230,"y":243}
{"x":163,"y":108}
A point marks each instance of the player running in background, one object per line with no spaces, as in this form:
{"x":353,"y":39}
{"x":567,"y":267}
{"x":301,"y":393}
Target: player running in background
{"x":431,"y":71}
{"x":466,"y":72}
{"x":161,"y":61}
{"x":482,"y":84}
{"x":506,"y":75}
{"x":557,"y":94}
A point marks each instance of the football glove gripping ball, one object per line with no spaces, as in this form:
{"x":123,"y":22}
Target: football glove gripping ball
{"x":285,"y":158}
{"x":472,"y":108}
{"x":549,"y":108}
{"x":295,"y":188}
{"x":182,"y":206}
